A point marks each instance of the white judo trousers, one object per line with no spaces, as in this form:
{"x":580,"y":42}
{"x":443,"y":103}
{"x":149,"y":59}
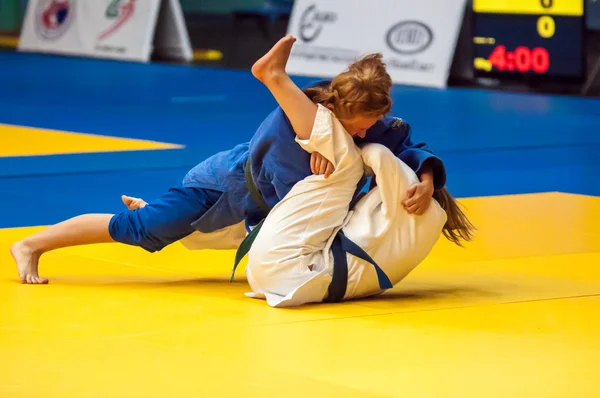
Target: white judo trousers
{"x":290,"y":262}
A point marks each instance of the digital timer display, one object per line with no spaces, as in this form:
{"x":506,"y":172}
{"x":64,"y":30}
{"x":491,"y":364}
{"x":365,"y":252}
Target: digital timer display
{"x":522,"y":59}
{"x":531,"y":37}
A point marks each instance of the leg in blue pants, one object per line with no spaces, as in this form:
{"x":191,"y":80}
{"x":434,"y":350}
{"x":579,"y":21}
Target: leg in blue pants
{"x":164,"y":221}
{"x":160,"y":223}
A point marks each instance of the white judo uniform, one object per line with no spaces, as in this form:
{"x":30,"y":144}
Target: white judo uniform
{"x":290,"y":262}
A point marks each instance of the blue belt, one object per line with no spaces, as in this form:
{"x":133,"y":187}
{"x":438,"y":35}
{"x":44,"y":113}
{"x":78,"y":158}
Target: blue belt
{"x":340,"y":247}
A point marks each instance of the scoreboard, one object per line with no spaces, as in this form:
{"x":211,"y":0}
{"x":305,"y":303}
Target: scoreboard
{"x":529,"y":37}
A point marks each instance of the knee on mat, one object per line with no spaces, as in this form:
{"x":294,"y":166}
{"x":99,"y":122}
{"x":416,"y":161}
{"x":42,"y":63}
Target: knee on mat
{"x":270,"y":252}
{"x":262,"y":252}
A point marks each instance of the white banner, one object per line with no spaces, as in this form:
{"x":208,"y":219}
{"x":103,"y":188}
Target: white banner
{"x":117,"y":29}
{"x":416,"y":38}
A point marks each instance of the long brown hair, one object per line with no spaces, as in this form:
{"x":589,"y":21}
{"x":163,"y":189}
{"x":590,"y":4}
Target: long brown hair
{"x":457,"y":227}
{"x":364,"y":89}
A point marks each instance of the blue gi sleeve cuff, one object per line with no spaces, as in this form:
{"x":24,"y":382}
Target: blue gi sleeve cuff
{"x":416,"y":159}
{"x":439,"y":172}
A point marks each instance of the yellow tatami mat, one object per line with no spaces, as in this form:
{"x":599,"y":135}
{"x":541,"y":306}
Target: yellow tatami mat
{"x":515,"y":314}
{"x":28,"y":141}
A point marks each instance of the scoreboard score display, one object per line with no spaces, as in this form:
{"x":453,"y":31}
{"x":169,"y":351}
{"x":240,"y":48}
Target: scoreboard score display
{"x":529,"y":37}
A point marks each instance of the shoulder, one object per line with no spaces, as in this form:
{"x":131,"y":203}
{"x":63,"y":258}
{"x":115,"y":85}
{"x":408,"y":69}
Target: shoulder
{"x":395,"y":123}
{"x":389,"y":124}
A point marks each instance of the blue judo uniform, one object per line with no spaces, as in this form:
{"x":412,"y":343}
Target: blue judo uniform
{"x":214,"y":195}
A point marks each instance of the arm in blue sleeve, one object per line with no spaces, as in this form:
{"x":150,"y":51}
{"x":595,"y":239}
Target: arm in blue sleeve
{"x":418,"y":155}
{"x":395,"y":134}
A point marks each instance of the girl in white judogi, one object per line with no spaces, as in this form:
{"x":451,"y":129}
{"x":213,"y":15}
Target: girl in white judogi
{"x":291,"y":262}
{"x":296,"y":254}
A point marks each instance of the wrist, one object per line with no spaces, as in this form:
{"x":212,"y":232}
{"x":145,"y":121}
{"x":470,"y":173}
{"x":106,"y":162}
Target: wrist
{"x":427,"y":177}
{"x":425,"y":172}
{"x":427,"y":181}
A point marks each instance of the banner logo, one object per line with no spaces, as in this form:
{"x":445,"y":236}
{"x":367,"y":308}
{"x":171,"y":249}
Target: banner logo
{"x":409,"y":37}
{"x":120,"y":11}
{"x":312,"y":21}
{"x":53,"y":18}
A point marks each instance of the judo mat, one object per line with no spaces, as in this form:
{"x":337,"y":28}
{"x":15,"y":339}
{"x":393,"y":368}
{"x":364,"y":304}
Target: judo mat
{"x":513,"y":314}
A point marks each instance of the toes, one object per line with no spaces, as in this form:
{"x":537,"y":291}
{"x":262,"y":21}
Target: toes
{"x":34,"y":280}
{"x":133,"y":203}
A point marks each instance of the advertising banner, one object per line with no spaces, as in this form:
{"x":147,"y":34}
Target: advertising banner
{"x":417,"y":39}
{"x":116,"y":29}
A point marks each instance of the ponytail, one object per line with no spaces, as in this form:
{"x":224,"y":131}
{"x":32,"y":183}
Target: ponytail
{"x":457,"y":227}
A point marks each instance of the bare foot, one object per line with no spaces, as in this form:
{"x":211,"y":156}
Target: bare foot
{"x":27,"y":263}
{"x":133,"y":203}
{"x":273,"y":63}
